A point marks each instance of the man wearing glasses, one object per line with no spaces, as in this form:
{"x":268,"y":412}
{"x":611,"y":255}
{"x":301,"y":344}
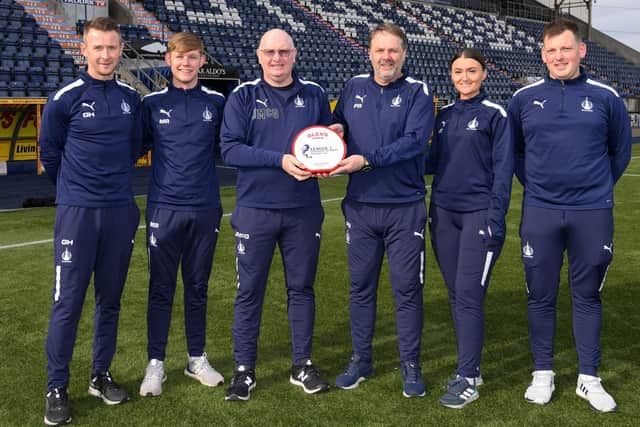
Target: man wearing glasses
{"x":277,"y":203}
{"x":572,"y":143}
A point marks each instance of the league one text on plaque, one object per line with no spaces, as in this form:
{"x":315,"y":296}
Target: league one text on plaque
{"x":319,"y":148}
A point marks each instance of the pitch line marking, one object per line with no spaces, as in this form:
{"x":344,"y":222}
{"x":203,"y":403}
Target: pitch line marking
{"x":39,"y":242}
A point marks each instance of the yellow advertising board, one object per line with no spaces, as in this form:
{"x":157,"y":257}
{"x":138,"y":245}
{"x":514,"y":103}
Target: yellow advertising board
{"x":19,"y":119}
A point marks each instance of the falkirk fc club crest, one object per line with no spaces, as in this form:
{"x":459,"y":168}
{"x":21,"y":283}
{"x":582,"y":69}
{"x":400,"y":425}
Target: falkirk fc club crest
{"x":473,"y":124}
{"x":587,"y":105}
{"x":66,"y":255}
{"x":527,"y":251}
{"x":207,"y":115}
{"x":126,"y":108}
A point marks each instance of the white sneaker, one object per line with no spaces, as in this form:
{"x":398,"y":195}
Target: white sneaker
{"x":589,"y":388}
{"x":200,"y":369}
{"x":541,"y":387}
{"x":154,"y":376}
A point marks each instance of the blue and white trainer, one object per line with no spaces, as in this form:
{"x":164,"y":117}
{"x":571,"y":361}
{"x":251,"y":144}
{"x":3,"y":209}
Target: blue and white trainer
{"x":412,"y":383}
{"x":590,"y":389}
{"x":541,"y":388}
{"x":357,"y":371}
{"x":460,"y":392}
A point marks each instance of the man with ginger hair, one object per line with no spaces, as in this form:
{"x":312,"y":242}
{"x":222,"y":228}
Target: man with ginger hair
{"x":181,"y":124}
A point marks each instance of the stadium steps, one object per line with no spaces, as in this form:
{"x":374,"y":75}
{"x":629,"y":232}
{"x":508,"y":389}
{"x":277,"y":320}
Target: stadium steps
{"x":157,"y":30}
{"x":306,"y":8}
{"x":55,"y":25}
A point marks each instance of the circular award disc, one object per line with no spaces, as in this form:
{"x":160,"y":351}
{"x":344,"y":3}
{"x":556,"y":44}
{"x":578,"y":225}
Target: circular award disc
{"x":319,"y":148}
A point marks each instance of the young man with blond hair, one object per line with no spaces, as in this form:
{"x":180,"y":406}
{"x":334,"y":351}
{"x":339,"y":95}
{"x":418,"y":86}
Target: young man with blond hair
{"x":181,"y":124}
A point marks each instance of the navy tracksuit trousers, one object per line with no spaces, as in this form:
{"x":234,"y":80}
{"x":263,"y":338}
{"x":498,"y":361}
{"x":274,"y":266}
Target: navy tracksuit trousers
{"x":587,"y":236}
{"x":458,"y":241}
{"x":174,"y":237}
{"x":88,"y":240}
{"x":398,"y":229}
{"x":257,"y":231}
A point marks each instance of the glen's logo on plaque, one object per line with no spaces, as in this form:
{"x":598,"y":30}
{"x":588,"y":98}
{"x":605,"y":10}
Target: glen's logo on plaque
{"x":319,"y":148}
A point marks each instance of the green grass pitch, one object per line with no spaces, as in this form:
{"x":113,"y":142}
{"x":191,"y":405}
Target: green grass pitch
{"x":25,"y":300}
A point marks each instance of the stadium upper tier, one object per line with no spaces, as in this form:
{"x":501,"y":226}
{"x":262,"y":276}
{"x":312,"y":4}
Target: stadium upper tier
{"x":331,"y":38}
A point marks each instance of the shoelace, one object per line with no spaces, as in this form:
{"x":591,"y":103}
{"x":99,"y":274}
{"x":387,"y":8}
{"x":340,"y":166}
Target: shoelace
{"x":155,"y":372}
{"x":309,"y":371}
{"x":459,"y":385}
{"x":200,"y":363}
{"x":352,"y":369}
{"x":411,"y":372}
{"x":58,"y":394}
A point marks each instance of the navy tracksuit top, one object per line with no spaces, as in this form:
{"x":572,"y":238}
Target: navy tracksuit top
{"x":181,"y":128}
{"x":572,"y":142}
{"x":390,"y":126}
{"x":471,"y":157}
{"x":259,"y":125}
{"x":89,"y":137}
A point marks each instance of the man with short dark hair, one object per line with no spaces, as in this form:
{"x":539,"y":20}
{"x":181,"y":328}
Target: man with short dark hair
{"x":387,"y":118}
{"x":572,"y":143}
{"x":89,"y":139}
{"x":278,"y":202}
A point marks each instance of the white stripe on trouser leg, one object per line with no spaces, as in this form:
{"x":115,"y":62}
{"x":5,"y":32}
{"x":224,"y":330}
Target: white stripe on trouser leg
{"x":56,"y":296}
{"x":487,"y":265}
{"x":422,"y":267}
{"x":237,"y":275}
{"x":604,"y":278}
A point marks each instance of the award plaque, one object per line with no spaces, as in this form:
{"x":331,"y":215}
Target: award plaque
{"x":319,"y":148}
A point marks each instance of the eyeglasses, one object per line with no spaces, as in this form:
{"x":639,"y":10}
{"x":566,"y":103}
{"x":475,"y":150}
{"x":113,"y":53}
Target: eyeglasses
{"x":270,"y":53}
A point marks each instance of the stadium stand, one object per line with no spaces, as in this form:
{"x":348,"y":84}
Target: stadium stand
{"x":36,"y":43}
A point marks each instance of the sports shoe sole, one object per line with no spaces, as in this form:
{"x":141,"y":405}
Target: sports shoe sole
{"x":95,"y":392}
{"x":190,"y":374}
{"x":583,"y":396}
{"x":235,"y":398}
{"x":409,"y":396}
{"x":539,"y":401}
{"x":471,"y":398}
{"x":352,"y":386}
{"x":324,"y":387}
{"x":51,"y":423}
{"x":151,"y":394}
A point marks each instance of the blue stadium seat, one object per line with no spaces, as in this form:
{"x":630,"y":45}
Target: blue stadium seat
{"x":5,"y":74}
{"x":17,"y":89}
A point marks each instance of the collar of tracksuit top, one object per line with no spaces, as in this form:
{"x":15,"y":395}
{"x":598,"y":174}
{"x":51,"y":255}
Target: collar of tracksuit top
{"x":571,"y":142}
{"x":181,"y":127}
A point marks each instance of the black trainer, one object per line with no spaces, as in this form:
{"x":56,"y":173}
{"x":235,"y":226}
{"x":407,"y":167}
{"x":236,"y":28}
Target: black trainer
{"x":58,"y":411}
{"x":243,"y":381}
{"x":103,"y":386}
{"x":306,"y":376}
